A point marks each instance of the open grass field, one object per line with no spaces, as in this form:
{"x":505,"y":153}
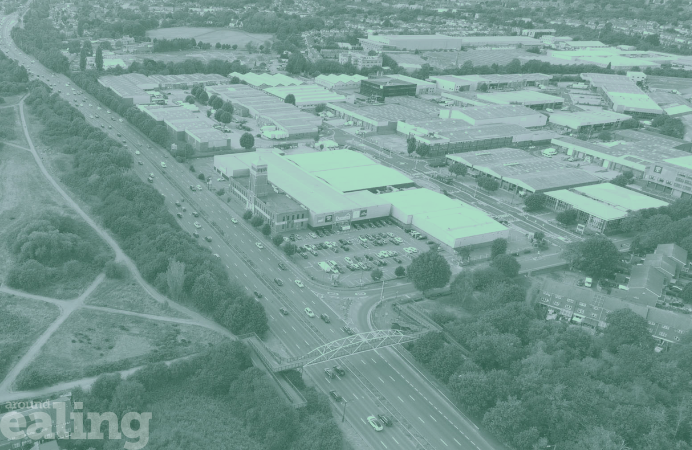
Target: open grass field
{"x":22,"y":320}
{"x":10,"y":130}
{"x":92,"y":342}
{"x":129,"y":296}
{"x":477,"y":57}
{"x":210,"y":35}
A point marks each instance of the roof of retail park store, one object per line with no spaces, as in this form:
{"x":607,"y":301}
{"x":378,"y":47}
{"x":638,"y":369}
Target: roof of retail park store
{"x":525,"y":170}
{"x":392,"y":110}
{"x":316,"y":195}
{"x":348,"y":171}
{"x":624,"y":152}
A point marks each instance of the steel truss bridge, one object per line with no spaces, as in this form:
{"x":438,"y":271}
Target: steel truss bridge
{"x":350,"y":345}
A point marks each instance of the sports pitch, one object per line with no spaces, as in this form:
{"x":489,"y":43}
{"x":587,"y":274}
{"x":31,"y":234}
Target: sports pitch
{"x":210,"y":35}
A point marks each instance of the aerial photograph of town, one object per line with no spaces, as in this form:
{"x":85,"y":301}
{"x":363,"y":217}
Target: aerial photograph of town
{"x":346,"y":225}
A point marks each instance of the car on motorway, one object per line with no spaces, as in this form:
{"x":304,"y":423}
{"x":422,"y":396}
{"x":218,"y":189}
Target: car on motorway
{"x":300,"y":284}
{"x":375,"y":422}
{"x":217,"y":255}
{"x":195,"y":213}
{"x":338,"y":369}
{"x":234,"y":220}
{"x":259,"y":245}
{"x":163,"y":164}
{"x":329,"y":372}
{"x":195,"y":234}
{"x":208,"y":238}
{"x":257,"y":294}
{"x":282,"y":266}
{"x":325,"y":318}
{"x":348,"y":330}
{"x":385,"y":420}
{"x":137,"y":152}
{"x":197,"y":225}
{"x":177,"y":203}
{"x":283,"y":311}
{"x":150,"y":180}
{"x":309,"y":312}
{"x":140,"y":163}
{"x":199,"y":188}
{"x":179,"y":215}
{"x":278,"y":281}
{"x":335,"y":395}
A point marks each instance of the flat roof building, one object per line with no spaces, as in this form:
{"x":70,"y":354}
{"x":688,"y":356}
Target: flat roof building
{"x":177,"y":127}
{"x":208,"y":139}
{"x":458,"y":83}
{"x":601,"y":207}
{"x":186,"y":81}
{"x":519,"y":171}
{"x":510,"y":114}
{"x":125,"y":89}
{"x":442,"y":42}
{"x":306,"y":95}
{"x":531,"y":99}
{"x":630,"y":99}
{"x":452,"y":222}
{"x":653,"y":139}
{"x":626,"y":156}
{"x":383,"y":118}
{"x":671,"y":177}
{"x":379,"y":89}
{"x":422,"y":86}
{"x":588,"y":120}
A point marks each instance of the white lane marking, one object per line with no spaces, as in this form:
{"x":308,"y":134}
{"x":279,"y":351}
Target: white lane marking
{"x":402,"y":401}
{"x":412,"y":398}
{"x":455,"y":440}
{"x":444,"y":442}
{"x":383,"y":444}
{"x":380,"y":379}
{"x":392,"y":378}
{"x":420,"y":419}
{"x":397,"y":442}
{"x":432,"y":417}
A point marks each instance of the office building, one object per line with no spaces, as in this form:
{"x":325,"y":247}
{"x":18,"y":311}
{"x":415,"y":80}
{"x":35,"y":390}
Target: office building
{"x":360,"y":60}
{"x":378,"y":89}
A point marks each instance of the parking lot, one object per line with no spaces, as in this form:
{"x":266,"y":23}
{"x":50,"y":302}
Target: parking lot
{"x":354,"y":253}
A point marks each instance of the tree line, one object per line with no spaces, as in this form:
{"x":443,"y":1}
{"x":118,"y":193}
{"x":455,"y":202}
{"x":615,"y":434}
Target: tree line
{"x":535,"y":383}
{"x":39,"y":38}
{"x":135,"y":213}
{"x":177,"y":44}
{"x":13,"y":77}
{"x":211,"y":400}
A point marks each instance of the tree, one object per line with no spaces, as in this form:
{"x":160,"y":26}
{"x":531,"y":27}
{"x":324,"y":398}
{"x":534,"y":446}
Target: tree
{"x":400,"y":271}
{"x":410,"y":144}
{"x":175,"y":278}
{"x":376,"y":274}
{"x":568,"y":217}
{"x":266,"y":229}
{"x":429,"y":270}
{"x":534,"y":202}
{"x":228,"y":107}
{"x":498,"y":247}
{"x":217,"y":102}
{"x":98,"y":60}
{"x":251,"y":47}
{"x":605,"y":136}
{"x":464,"y":252}
{"x":82,"y":59}
{"x":247,"y":215}
{"x":225,"y":117}
{"x":422,"y":149}
{"x":191,"y":99}
{"x":257,"y":221}
{"x":625,"y":327}
{"x":458,"y":169}
{"x":320,"y":107}
{"x":483,"y":87}
{"x":506,"y":264}
{"x":290,"y":249}
{"x":488,"y":184}
{"x":201,"y":177}
{"x":277,"y":239}
{"x":247,"y":141}
{"x":596,"y":256}
{"x":686,"y":294}
{"x":290,"y":99}
{"x":538,"y":236}
{"x":629,"y":123}
{"x":235,"y":47}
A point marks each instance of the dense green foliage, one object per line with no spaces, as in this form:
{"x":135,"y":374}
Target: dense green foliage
{"x":135,"y":214}
{"x":54,"y":248}
{"x":214,"y":400}
{"x":39,"y":38}
{"x":534,"y":202}
{"x":596,"y":256}
{"x":13,"y":77}
{"x":669,"y":224}
{"x":429,"y":270}
{"x":536,"y":383}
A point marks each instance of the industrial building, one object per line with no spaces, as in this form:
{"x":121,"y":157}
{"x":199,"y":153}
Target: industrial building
{"x":290,"y":197}
{"x":601,"y":207}
{"x":265,"y":80}
{"x":451,"y":221}
{"x":383,"y":118}
{"x":457,"y":83}
{"x":125,"y":89}
{"x":306,"y":95}
{"x":630,"y":99}
{"x":671,"y":177}
{"x":531,"y":99}
{"x":378,"y":89}
{"x":339,"y":81}
{"x":587,"y":307}
{"x":269,"y":111}
{"x":442,"y":42}
{"x":208,"y":139}
{"x":422,"y":87}
{"x":537,"y":33}
{"x":581,"y":45}
{"x":510,"y":114}
{"x":653,"y":139}
{"x":619,"y":156}
{"x":360,"y":60}
{"x":588,"y":120}
{"x":177,"y":127}
{"x":520,"y":172}
{"x":186,"y":81}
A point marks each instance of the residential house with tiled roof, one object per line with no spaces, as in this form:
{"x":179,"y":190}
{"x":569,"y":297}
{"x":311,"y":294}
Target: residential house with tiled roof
{"x":675,"y":252}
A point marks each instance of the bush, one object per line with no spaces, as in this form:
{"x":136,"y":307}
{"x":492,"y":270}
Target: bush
{"x":256,"y":221}
{"x":201,"y":177}
{"x":192,"y":168}
{"x":247,"y":215}
{"x":277,"y":240}
{"x":568,"y":217}
{"x":400,"y":271}
{"x":117,"y":271}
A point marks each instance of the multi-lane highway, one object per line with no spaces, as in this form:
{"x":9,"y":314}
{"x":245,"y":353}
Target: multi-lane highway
{"x":375,"y":382}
